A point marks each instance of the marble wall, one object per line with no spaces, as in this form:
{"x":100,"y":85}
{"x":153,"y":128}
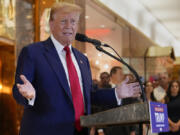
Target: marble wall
{"x":25,"y":32}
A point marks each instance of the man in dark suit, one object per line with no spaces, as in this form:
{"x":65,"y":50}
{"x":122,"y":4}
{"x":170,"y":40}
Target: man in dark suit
{"x":117,"y":77}
{"x":53,"y":80}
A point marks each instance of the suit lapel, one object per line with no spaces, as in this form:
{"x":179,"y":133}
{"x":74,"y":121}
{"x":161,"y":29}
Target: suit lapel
{"x":55,"y":62}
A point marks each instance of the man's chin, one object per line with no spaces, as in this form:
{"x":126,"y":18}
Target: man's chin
{"x":67,"y":42}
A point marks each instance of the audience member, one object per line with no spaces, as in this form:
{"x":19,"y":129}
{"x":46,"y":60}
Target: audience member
{"x":95,"y":84}
{"x":149,"y":91}
{"x":155,"y":81}
{"x":173,"y":104}
{"x":149,"y":94}
{"x":164,"y":80}
{"x":160,"y":91}
{"x":117,"y":76}
{"x":104,"y":83}
{"x":104,"y":80}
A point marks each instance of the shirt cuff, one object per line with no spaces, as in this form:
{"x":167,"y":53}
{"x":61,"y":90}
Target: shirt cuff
{"x":31,"y":101}
{"x":118,"y":99}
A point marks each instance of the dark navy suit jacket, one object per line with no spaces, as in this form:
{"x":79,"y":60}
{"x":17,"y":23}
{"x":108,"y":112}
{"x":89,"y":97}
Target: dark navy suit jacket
{"x":53,"y":112}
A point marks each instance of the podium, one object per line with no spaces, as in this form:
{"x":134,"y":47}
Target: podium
{"x":137,"y":113}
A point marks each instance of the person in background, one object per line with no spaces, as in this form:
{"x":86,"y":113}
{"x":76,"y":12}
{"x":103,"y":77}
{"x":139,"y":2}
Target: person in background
{"x":160,"y":91}
{"x":149,"y":91}
{"x":164,"y":80}
{"x":149,"y":94}
{"x":155,"y":81}
{"x":53,"y":80}
{"x":104,"y":80}
{"x":117,"y":77}
{"x":95,"y":84}
{"x":103,"y":83}
{"x":173,"y":104}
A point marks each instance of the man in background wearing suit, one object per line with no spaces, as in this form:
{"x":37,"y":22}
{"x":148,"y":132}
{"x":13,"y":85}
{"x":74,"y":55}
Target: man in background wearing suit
{"x":117,"y":77}
{"x":53,"y":80}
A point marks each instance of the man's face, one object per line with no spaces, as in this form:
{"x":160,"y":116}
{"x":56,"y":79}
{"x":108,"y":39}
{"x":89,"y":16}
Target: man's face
{"x":149,"y":87}
{"x":118,"y":76}
{"x":164,"y":79}
{"x":174,"y":89}
{"x":64,"y":26}
{"x":105,"y":78}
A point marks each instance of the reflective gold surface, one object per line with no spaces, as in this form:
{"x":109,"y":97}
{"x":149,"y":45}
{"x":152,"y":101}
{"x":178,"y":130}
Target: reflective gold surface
{"x":7,"y":67}
{"x":7,"y":18}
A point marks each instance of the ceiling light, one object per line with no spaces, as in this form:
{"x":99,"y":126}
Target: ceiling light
{"x":87,"y":17}
{"x":102,"y":26}
{"x":106,"y":66}
{"x":97,"y":62}
{"x":99,"y":54}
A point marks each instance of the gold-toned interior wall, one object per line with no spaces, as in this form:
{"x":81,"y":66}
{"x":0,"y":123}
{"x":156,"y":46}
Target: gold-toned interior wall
{"x":7,"y":58}
{"x":0,"y":75}
{"x":7,"y":19}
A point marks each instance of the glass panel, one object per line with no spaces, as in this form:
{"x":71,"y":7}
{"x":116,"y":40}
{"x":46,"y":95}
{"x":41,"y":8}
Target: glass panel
{"x":44,"y":24}
{"x":44,"y":18}
{"x":7,"y":18}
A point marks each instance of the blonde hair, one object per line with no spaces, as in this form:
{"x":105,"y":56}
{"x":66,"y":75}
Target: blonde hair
{"x":65,"y":8}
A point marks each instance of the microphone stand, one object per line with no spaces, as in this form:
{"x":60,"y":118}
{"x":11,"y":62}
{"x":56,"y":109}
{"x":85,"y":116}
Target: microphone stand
{"x":143,"y":96}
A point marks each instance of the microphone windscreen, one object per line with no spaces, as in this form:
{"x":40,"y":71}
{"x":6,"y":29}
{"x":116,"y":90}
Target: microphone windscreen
{"x":81,"y":37}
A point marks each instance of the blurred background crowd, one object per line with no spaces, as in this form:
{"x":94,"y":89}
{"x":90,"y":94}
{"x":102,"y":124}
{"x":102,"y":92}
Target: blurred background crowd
{"x":158,"y":88}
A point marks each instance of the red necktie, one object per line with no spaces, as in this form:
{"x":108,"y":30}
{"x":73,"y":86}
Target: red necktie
{"x":77,"y":96}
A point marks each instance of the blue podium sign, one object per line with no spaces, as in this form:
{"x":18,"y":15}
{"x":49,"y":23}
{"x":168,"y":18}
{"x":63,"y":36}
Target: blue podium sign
{"x":158,"y":117}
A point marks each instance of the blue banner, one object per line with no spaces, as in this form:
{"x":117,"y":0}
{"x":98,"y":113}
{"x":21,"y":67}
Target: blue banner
{"x":158,"y":117}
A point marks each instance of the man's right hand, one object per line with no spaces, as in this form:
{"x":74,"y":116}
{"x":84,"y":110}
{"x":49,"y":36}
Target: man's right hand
{"x":26,"y":89}
{"x":126,"y":90}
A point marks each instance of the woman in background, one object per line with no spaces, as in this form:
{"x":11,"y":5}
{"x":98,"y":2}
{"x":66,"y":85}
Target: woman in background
{"x":149,"y":95}
{"x":173,"y":104}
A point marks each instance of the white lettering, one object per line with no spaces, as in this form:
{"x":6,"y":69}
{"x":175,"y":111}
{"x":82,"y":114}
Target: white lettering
{"x":159,"y":117}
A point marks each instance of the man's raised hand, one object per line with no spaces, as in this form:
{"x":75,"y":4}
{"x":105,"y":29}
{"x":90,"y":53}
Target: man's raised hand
{"x":126,"y":90}
{"x":26,"y":89}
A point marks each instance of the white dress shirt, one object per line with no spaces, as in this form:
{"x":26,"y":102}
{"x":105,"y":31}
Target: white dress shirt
{"x":119,"y":101}
{"x":62,"y":55}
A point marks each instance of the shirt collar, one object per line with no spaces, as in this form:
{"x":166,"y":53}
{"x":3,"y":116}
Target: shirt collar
{"x":59,"y":47}
{"x":113,"y":85}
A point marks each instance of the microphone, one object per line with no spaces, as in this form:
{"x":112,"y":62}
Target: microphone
{"x":84,"y":38}
{"x":98,"y":44}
